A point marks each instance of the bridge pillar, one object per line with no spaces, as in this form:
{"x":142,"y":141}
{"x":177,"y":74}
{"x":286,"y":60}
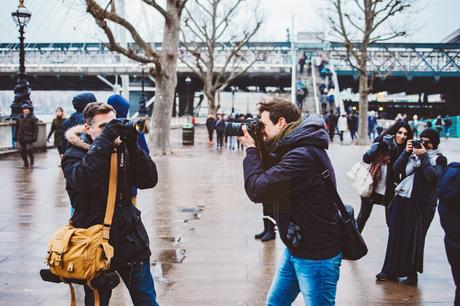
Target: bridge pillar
{"x":452,"y":101}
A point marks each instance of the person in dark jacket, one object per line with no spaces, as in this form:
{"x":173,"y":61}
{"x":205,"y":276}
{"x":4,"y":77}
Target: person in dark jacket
{"x":381,"y":156}
{"x":306,"y":215}
{"x":332,"y":123}
{"x":86,"y":170}
{"x":449,"y":214}
{"x":413,"y":207}
{"x":56,"y":129}
{"x":121,"y":107}
{"x":210,"y":127}
{"x":26,"y":133}
{"x":79,"y":103}
{"x":219,"y":126}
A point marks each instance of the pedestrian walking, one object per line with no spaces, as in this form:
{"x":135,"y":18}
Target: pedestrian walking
{"x":56,"y":129}
{"x":331,"y":123}
{"x":86,"y":169}
{"x":305,"y":212}
{"x":372,"y":124}
{"x":439,"y":124}
{"x":447,"y":125}
{"x":342,"y":125}
{"x":219,"y":126}
{"x":381,"y":156}
{"x":420,"y":166}
{"x":26,"y":133}
{"x":449,"y":214}
{"x":210,"y":128}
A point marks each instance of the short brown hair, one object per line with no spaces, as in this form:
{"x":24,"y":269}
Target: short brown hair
{"x":280,"y":108}
{"x":96,"y":108}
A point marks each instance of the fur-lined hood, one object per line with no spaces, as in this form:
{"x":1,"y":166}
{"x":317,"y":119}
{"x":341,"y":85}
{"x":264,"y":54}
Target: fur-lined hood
{"x":74,"y":137}
{"x":77,"y":137}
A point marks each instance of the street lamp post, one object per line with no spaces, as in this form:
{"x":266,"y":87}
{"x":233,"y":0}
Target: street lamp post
{"x":233,"y":99}
{"x":142,"y":106}
{"x":22,"y":88}
{"x":188,"y":107}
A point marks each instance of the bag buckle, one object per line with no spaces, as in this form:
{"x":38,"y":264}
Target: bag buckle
{"x":106,"y":232}
{"x":325,"y":174}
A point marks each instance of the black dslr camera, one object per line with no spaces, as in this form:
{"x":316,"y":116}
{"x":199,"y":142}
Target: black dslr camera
{"x":417,"y":144}
{"x":137,"y":124}
{"x":236,"y":128}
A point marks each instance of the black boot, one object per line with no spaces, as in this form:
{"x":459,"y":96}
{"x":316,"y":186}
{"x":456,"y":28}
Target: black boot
{"x":260,"y":235}
{"x":270,"y":234}
{"x":412,"y":279}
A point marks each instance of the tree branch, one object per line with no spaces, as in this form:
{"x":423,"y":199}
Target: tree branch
{"x":100,"y":15}
{"x":158,"y":7}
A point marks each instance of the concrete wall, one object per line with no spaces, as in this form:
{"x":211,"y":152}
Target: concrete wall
{"x":6,"y":136}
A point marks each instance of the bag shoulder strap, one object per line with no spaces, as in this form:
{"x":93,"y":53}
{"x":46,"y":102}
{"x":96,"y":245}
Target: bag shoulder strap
{"x":326,"y":176}
{"x":111,"y":196}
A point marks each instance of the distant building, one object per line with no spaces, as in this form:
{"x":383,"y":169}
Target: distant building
{"x":454,"y":37}
{"x":310,"y":37}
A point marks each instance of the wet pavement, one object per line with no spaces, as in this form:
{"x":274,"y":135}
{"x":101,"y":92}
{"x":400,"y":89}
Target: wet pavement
{"x":201,"y":227}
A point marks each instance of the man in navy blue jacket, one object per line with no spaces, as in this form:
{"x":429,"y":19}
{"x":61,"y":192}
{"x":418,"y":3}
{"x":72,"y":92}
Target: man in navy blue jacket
{"x":449,"y":213}
{"x":306,"y":215}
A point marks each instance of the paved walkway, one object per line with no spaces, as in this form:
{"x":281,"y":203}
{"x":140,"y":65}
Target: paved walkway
{"x":201,"y":226}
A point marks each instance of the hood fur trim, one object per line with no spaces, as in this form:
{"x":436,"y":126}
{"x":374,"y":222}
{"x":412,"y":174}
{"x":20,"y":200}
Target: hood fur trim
{"x":73,"y":137}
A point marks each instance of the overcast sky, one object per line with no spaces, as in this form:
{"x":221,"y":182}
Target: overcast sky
{"x":67,"y":21}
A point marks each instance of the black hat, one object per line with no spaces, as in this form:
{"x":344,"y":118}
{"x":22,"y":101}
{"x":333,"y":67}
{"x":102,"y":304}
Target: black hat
{"x":432,"y":135}
{"x":27,"y":105}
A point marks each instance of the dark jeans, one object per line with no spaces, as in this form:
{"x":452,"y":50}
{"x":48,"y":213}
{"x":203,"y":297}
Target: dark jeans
{"x":26,"y":150}
{"x":366,"y":209}
{"x":220,"y":139}
{"x":210,"y":134}
{"x":137,"y":278}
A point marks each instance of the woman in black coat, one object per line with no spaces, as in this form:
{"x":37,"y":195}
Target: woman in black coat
{"x":413,"y":207}
{"x":57,"y":130}
{"x":382,"y":155}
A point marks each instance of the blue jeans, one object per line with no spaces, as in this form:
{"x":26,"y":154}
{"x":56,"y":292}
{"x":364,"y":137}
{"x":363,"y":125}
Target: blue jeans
{"x":316,"y":279}
{"x":137,"y":278}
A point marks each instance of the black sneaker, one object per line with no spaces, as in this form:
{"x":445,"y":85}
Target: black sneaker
{"x":381,"y":277}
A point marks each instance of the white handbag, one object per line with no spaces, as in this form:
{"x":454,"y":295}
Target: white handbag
{"x":362,"y":180}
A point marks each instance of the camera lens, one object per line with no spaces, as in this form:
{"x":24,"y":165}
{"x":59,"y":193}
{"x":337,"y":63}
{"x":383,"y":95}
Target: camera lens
{"x":234,"y":129}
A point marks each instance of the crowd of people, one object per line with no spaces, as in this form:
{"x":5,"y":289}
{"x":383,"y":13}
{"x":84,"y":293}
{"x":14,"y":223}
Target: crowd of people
{"x":218,"y":125}
{"x":284,"y":173}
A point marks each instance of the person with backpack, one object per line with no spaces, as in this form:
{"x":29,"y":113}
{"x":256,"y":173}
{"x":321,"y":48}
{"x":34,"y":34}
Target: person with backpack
{"x":419,"y":168}
{"x":79,"y":103}
{"x":305,"y":212}
{"x":56,"y":129}
{"x":26,"y":133}
{"x":86,"y":166}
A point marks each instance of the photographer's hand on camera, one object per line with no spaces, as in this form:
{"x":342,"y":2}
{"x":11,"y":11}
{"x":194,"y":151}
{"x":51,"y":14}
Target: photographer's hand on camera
{"x":409,"y":146}
{"x":129,"y":137}
{"x":420,"y":151}
{"x":246,"y":140}
{"x":112,"y":130}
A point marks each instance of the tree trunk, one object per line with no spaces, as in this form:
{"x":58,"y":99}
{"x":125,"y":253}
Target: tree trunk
{"x":363,"y":138}
{"x":166,"y":81}
{"x":212,"y":108}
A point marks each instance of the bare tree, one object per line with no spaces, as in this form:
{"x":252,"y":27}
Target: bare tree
{"x":206,"y":25}
{"x":164,"y":60}
{"x":359,"y":24}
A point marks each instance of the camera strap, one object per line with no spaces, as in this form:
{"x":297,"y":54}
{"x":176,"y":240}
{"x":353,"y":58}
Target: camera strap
{"x":109,"y":211}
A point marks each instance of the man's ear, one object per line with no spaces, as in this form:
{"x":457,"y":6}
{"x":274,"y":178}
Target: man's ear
{"x":282,"y":121}
{"x":87,"y":127}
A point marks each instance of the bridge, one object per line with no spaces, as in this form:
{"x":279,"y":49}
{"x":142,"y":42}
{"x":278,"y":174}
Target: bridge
{"x":396,"y":67}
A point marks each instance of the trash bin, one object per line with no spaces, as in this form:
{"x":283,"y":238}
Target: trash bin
{"x":188,"y":134}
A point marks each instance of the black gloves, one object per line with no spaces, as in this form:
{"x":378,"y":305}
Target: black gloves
{"x":112,"y":130}
{"x":129,"y":137}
